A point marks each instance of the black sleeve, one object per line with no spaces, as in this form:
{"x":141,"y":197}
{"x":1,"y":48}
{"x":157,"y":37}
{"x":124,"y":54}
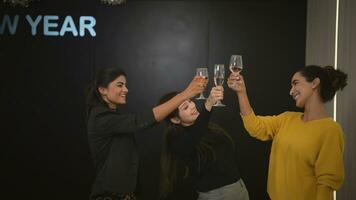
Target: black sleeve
{"x":185,"y":144}
{"x":107,"y":123}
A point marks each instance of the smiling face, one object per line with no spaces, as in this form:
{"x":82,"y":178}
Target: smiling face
{"x":187,"y":112}
{"x":115,"y":93}
{"x":302,"y":90}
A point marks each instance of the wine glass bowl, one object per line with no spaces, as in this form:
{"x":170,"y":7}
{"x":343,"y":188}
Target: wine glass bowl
{"x":203,"y":72}
{"x":236,"y":64}
{"x":219,"y":76}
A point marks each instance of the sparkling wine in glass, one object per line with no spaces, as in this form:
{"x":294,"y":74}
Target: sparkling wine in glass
{"x":219,"y":75}
{"x":203,"y":72}
{"x":235,"y":63}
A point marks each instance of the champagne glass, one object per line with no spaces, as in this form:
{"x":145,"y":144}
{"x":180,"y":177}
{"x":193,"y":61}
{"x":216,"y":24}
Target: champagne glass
{"x":219,"y":75}
{"x":236,"y":63}
{"x":203,"y":72}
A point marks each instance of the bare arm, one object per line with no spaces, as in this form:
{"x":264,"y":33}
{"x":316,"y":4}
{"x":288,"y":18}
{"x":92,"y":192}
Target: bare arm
{"x":236,"y":82}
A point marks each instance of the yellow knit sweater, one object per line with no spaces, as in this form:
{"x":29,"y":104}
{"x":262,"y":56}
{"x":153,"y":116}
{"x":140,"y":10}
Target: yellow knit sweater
{"x":306,"y":160}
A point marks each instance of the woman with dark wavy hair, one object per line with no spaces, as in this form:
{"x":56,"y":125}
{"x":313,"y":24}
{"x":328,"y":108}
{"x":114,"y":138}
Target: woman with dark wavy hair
{"x":306,"y":159}
{"x":205,"y":149}
{"x":111,"y":132}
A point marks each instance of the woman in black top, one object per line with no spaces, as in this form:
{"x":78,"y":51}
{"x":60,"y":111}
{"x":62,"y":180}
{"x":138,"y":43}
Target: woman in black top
{"x":110,"y":132}
{"x":206,"y":150}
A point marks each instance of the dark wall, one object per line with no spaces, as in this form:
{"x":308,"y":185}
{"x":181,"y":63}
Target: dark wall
{"x":159,"y":44}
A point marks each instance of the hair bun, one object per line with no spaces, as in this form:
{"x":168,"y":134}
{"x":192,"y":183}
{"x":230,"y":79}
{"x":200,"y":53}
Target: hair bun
{"x":338,"y":78}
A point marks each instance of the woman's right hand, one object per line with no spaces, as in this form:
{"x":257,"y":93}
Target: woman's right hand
{"x":236,"y":82}
{"x":196,"y":86}
{"x":216,"y":94}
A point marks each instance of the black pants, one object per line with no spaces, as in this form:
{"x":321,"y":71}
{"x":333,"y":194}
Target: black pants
{"x":115,"y":196}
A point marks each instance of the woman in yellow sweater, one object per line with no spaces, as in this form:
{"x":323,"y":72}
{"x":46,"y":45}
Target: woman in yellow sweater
{"x":306,"y":160}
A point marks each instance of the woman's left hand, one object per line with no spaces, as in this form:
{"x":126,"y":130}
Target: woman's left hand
{"x":216,"y":93}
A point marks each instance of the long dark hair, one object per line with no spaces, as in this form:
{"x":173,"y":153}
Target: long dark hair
{"x":169,"y":162}
{"x":331,"y":80}
{"x":103,"y":78}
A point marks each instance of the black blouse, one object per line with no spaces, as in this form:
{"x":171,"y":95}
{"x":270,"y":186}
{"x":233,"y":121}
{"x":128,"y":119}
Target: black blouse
{"x":211,"y":174}
{"x":113,"y":148}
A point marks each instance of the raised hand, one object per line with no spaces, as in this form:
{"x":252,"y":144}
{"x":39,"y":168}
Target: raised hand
{"x":196,"y":86}
{"x":216,"y":94}
{"x":236,"y":82}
